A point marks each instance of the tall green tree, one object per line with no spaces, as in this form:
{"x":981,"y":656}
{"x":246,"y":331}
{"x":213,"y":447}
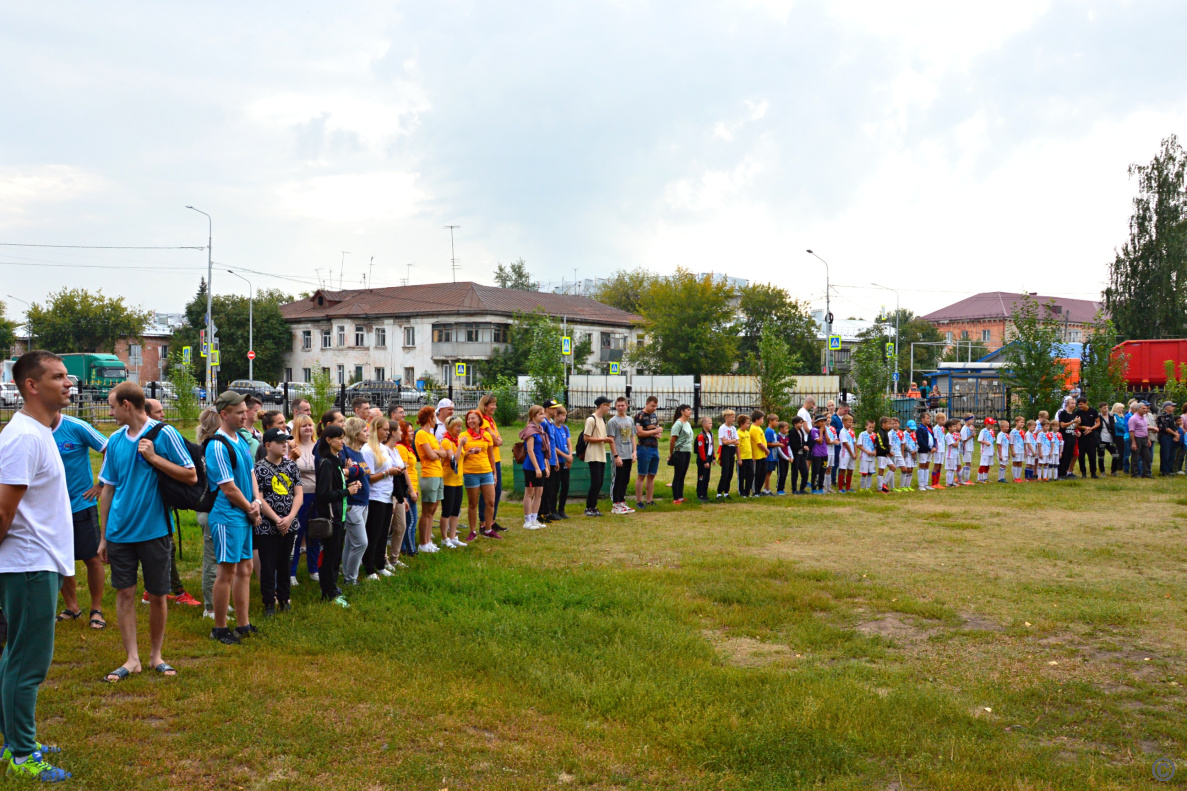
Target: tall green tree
{"x":546,"y":364}
{"x":512,"y":360}
{"x":688,"y":321}
{"x":272,"y":337}
{"x":582,"y":352}
{"x":764,"y":305}
{"x":914,"y":330}
{"x":7,"y":332}
{"x":1102,"y":374}
{"x":1033,"y":372}
{"x":1147,"y":292}
{"x":872,"y":375}
{"x":515,"y":275}
{"x":775,"y":365}
{"x":624,"y":290}
{"x":77,"y":320}
{"x":183,"y":381}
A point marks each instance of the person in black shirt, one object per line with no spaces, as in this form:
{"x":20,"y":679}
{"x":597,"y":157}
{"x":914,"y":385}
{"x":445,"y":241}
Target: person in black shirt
{"x":1168,"y":438}
{"x":1089,"y":435}
{"x":1068,"y":423}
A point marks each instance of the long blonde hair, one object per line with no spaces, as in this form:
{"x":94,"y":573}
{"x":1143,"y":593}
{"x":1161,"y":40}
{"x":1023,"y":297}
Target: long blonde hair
{"x":534,"y":411}
{"x":208,"y":425}
{"x":373,"y":438}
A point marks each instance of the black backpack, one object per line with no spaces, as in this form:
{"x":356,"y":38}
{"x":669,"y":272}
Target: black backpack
{"x":579,"y":448}
{"x":180,"y":496}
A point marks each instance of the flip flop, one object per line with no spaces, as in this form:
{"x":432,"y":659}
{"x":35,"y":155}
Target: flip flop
{"x":98,"y":623}
{"x":66,"y":615}
{"x":120,"y":674}
{"x":165,"y":669}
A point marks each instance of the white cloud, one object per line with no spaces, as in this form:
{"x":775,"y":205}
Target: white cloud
{"x":352,"y":198}
{"x":22,"y":190}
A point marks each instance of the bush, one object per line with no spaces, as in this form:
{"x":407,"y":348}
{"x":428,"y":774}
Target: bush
{"x":506,"y":391}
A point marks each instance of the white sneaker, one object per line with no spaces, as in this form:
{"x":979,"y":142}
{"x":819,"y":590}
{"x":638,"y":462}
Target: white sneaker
{"x":293,"y":582}
{"x":386,"y":573}
{"x":449,"y":544}
{"x":617,"y":508}
{"x":429,"y":547}
{"x":314,"y":577}
{"x":208,"y":614}
{"x":389,"y":567}
{"x":401,"y":564}
{"x":532,"y":525}
{"x":459,"y":544}
{"x":626,"y":509}
{"x":373,"y":576}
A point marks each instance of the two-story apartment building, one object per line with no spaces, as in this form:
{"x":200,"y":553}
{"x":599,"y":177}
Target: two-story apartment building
{"x":988,"y":317}
{"x":402,"y":333}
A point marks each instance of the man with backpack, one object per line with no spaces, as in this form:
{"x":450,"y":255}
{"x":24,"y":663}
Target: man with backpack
{"x":135,"y":519}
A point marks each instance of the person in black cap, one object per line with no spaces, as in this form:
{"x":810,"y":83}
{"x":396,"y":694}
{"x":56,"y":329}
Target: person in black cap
{"x":595,"y":452}
{"x":281,"y":496}
{"x":1168,"y":438}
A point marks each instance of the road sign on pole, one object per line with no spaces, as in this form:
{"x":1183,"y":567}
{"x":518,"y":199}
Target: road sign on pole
{"x":614,"y":369}
{"x":214,"y":358}
{"x":896,"y":376}
{"x":251,"y":355}
{"x":889,"y":349}
{"x":834,"y":342}
{"x":459,"y":369}
{"x":566,"y":345}
{"x":186,"y":354}
{"x":205,"y":348}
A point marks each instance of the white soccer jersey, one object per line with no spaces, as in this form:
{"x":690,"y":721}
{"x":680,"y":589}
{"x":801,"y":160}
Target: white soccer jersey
{"x":1003,"y":446}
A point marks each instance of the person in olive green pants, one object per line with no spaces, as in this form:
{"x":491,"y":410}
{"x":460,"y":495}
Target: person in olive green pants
{"x":29,"y":600}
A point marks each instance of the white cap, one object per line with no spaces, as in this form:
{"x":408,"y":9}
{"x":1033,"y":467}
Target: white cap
{"x":444,"y":403}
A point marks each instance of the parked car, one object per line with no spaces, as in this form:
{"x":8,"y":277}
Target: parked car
{"x":261,"y":390}
{"x":384,"y":393}
{"x":163,"y":391}
{"x":10,"y":397}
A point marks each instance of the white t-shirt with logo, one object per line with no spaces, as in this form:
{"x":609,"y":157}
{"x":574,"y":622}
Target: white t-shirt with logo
{"x":41,"y":537}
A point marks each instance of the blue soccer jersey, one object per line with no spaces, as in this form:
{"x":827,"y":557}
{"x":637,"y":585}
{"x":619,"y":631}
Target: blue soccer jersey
{"x":220,"y":471}
{"x":76,"y":439}
{"x":137,"y":512}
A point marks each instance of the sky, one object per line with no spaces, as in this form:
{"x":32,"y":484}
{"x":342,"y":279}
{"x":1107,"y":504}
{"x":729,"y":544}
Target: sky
{"x":936,"y":148}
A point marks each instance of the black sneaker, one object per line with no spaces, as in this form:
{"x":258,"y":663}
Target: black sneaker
{"x":562,"y":516}
{"x":224,"y":636}
{"x":245,"y":631}
{"x":590,"y":512}
{"x":269,"y":611}
{"x":498,"y":527}
{"x":598,"y":513}
{"x":286,"y":607}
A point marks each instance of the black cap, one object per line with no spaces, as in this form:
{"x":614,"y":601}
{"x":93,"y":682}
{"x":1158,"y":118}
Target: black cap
{"x":276,"y":435}
{"x":601,"y":400}
{"x":550,"y":403}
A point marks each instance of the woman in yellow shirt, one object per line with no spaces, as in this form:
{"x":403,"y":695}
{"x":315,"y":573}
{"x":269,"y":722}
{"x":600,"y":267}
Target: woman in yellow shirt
{"x":479,"y":459}
{"x":451,"y":503}
{"x":745,"y":456}
{"x":432,"y":487}
{"x":411,"y":514}
{"x":486,"y":408}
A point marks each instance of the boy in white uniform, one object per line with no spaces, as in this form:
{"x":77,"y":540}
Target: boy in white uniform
{"x":966,"y":451}
{"x":952,"y":462}
{"x":868,"y":451}
{"x":1018,"y":448}
{"x":848,"y":457}
{"x":1030,"y":436}
{"x":985,"y":438}
{"x":939,"y":449}
{"x":923,"y":460}
{"x":910,"y":448}
{"x":830,"y":436}
{"x":1044,"y":452}
{"x":1003,"y":451}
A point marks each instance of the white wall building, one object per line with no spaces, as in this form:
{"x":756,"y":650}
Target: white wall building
{"x":402,"y":333}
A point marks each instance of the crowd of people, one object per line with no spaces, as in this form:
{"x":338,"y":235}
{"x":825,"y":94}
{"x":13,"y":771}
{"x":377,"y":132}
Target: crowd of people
{"x":355,"y":493}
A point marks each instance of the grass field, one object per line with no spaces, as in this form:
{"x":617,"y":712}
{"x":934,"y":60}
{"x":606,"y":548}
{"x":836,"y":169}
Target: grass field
{"x":993,"y":637}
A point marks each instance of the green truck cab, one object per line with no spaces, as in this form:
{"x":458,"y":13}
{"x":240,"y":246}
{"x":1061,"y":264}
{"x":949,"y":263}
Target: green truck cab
{"x":96,"y":373}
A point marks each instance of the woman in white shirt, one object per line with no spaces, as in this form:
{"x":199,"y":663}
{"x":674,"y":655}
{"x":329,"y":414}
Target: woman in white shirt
{"x":402,"y":491}
{"x":303,"y":452}
{"x":379,"y":510}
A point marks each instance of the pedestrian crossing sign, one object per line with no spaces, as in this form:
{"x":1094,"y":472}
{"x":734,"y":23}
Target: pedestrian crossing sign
{"x":614,"y":369}
{"x":214,"y":358}
{"x":566,"y":345}
{"x":459,"y":369}
{"x":834,"y":342}
{"x":186,"y":351}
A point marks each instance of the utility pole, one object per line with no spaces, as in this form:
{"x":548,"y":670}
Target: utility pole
{"x":371,"y":272}
{"x":408,"y":277}
{"x":341,"y":269}
{"x":452,"y":252}
{"x":210,"y":382}
{"x":828,"y":317}
{"x":251,"y":324}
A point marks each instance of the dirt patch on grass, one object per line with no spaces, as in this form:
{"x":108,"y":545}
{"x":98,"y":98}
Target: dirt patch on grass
{"x":748,"y":652}
{"x":898,"y":628}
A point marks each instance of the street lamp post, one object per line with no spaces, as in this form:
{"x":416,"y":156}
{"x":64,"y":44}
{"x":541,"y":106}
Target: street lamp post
{"x":896,"y":336}
{"x":209,"y":316}
{"x":251,"y":344}
{"x":828,"y":315}
{"x":28,"y":321}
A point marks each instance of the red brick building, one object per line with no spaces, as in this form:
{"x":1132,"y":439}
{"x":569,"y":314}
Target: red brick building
{"x":986,"y":318}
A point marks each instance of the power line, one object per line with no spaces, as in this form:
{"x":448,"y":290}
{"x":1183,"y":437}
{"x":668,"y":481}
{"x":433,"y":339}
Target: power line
{"x":97,"y":246}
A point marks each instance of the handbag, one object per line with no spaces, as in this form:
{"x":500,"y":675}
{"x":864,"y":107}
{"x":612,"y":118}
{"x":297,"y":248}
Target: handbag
{"x":320,"y":528}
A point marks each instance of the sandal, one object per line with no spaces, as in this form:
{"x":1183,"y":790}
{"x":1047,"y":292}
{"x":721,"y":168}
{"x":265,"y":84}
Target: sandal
{"x":120,"y":674}
{"x":97,"y":623}
{"x":66,"y":615}
{"x":166,"y":670}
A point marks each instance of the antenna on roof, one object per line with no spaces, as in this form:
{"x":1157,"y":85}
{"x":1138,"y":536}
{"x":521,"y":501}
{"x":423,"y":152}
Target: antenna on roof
{"x":452,"y":253}
{"x":371,"y":271}
{"x":341,"y":267}
{"x":408,"y":279}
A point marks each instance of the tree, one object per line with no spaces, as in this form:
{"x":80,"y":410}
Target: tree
{"x":775,"y":366}
{"x":1033,"y":371}
{"x":582,"y":351}
{"x":515,"y":276}
{"x":913,"y":329}
{"x":765,"y":305}
{"x":512,"y":360}
{"x":871,"y":375}
{"x":624,"y":290}
{"x":7,"y":332}
{"x":546,"y":364}
{"x":689,"y":326}
{"x":76,"y":320}
{"x":1147,"y":292}
{"x":505,"y":389}
{"x":1102,"y":373}
{"x":322,"y":390}
{"x":270,"y":333}
{"x":1176,"y":385}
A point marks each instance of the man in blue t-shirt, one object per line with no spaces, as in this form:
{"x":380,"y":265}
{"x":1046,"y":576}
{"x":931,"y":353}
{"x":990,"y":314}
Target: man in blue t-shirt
{"x":235,"y":511}
{"x":135,"y":521}
{"x":75,"y":440}
{"x":552,"y":482}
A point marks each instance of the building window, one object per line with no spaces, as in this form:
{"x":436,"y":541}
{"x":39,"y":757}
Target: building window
{"x":442,"y":333}
{"x":499,"y":333}
{"x":360,"y":335}
{"x":947,"y":337}
{"x":358,"y":373}
{"x":341,"y":335}
{"x":964,"y":335}
{"x":341,"y":374}
{"x":325,"y":371}
{"x":1073,"y":336}
{"x":472,"y":333}
{"x":409,"y":376}
{"x":380,"y":339}
{"x":985,"y":335}
{"x":306,"y":339}
{"x":410,"y":336}
{"x":307,"y":374}
{"x":381,"y":374}
{"x":163,"y":352}
{"x":288,"y":374}
{"x":326,"y":339}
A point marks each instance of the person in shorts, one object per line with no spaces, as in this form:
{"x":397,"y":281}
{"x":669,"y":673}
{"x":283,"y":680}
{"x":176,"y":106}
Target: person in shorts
{"x":847,"y":459}
{"x":135,"y":523}
{"x":75,"y":440}
{"x":432,"y":484}
{"x":648,"y":430}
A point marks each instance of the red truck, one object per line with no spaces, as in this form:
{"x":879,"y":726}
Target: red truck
{"x":1146,"y":370}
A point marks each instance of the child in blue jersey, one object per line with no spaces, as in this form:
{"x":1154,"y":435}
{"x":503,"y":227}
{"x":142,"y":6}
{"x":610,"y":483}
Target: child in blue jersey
{"x":952,"y":465}
{"x":868,"y":448}
{"x":966,"y":451}
{"x":1003,"y":451}
{"x":985,"y":440}
{"x":75,"y":440}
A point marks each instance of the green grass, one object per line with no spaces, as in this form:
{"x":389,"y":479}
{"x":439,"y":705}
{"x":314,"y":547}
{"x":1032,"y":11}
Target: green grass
{"x":860,"y":642}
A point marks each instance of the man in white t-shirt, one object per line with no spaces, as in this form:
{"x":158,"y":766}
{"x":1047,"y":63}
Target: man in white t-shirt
{"x":36,"y":552}
{"x":444,"y":413}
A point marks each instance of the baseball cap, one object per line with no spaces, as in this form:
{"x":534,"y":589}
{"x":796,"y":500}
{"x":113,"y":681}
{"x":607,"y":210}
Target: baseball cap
{"x":228,"y":398}
{"x":550,"y":403}
{"x":1165,"y":404}
{"x":444,"y":403}
{"x":990,"y":421}
{"x":276,"y":435}
{"x":911,"y":425}
{"x":601,"y":400}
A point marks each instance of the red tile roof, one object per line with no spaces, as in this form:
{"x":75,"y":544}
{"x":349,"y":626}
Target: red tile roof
{"x":460,"y":299}
{"x":1000,"y":305}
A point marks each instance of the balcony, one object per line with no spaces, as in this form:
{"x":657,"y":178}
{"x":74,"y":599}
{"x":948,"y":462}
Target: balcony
{"x":459,"y":350}
{"x":611,"y":355}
